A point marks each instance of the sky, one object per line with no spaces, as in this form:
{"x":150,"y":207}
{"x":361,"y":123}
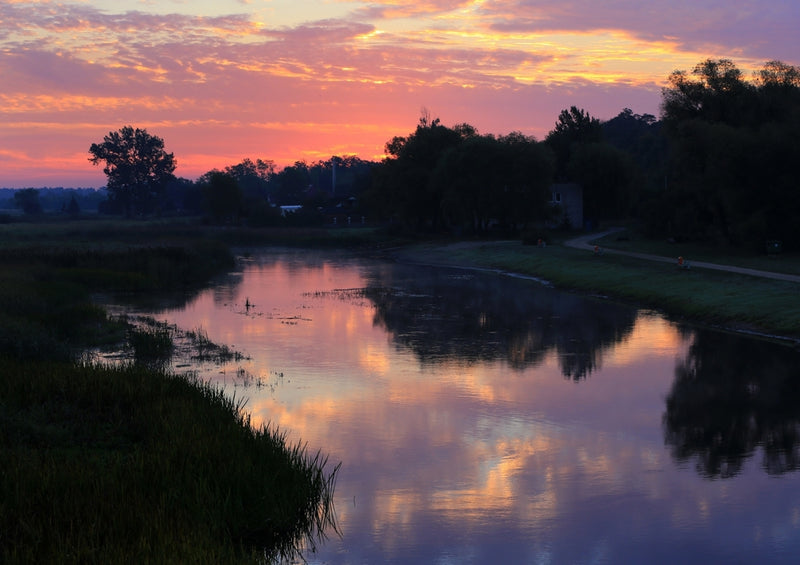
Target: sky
{"x":291,"y":80}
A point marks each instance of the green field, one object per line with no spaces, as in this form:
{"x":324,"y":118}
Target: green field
{"x":716,"y":298}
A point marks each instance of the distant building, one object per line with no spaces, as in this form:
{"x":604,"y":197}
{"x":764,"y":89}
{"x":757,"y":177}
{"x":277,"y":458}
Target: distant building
{"x":567,"y":199}
{"x":290,"y":209}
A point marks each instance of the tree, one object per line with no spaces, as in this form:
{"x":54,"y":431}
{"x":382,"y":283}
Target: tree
{"x":290,"y":186}
{"x":607,"y":175}
{"x":223,"y":196}
{"x":137,"y":166}
{"x":27,"y":199}
{"x":503,"y":179}
{"x":528,"y":168}
{"x":641,"y":137}
{"x":253,"y":178}
{"x":73,"y":208}
{"x":733,"y":155}
{"x":718,"y":93}
{"x":469,"y":173}
{"x":778,"y":87}
{"x":574,"y":127}
{"x":405,"y":180}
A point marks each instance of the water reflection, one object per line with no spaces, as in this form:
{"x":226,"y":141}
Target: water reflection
{"x":443,"y":393}
{"x":446,"y":314}
{"x":731,"y":396}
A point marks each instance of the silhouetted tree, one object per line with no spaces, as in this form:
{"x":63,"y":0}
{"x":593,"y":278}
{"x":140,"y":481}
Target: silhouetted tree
{"x":574,"y":127}
{"x":290,"y":186}
{"x":223,"y":196}
{"x":732,"y":173}
{"x":73,"y":208}
{"x":641,"y":137}
{"x":137,"y":166}
{"x":503,"y":179}
{"x":253,"y":179}
{"x":718,"y":93}
{"x":27,"y":200}
{"x":607,"y":175}
{"x":404,"y":182}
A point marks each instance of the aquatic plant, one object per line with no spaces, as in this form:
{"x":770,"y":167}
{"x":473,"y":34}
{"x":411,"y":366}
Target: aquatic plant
{"x":151,"y":343}
{"x":206,"y":350}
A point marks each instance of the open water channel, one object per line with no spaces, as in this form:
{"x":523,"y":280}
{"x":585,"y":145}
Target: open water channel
{"x":481,"y":418}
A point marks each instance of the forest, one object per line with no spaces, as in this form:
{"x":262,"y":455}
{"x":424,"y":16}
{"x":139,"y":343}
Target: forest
{"x":718,"y":165}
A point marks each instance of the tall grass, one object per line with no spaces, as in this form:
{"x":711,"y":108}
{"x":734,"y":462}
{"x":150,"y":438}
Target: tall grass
{"x":124,"y":465}
{"x":131,"y":464}
{"x":203,"y":349}
{"x":151,"y":343}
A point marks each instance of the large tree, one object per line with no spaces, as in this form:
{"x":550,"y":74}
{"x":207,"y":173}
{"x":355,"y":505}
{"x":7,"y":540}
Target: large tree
{"x":137,"y":166}
{"x":223,"y":196}
{"x":486,"y":178}
{"x":573,"y":128}
{"x":733,"y":151}
{"x":405,"y":181}
{"x":714,"y":91}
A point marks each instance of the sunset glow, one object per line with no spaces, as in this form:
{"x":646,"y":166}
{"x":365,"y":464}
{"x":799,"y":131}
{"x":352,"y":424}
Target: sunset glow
{"x":221,"y":80}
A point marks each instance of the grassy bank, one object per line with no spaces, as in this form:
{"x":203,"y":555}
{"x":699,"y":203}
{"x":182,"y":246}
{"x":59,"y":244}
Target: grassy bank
{"x":712,"y":297}
{"x":130,"y":464}
{"x":746,"y":256}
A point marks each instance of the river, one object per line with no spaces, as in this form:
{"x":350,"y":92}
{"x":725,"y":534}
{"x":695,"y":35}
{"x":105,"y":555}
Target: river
{"x":481,"y":418}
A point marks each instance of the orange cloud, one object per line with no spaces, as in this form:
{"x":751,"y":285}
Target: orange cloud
{"x":345,"y":83}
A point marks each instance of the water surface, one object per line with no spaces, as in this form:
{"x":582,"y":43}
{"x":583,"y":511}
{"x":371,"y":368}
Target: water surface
{"x":486,"y":419}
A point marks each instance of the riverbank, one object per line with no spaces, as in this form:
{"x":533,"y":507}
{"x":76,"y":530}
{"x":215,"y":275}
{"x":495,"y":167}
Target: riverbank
{"x":65,"y":423}
{"x":727,"y":300}
{"x":132,"y":463}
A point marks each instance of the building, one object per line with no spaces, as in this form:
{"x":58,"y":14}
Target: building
{"x":567,"y":199}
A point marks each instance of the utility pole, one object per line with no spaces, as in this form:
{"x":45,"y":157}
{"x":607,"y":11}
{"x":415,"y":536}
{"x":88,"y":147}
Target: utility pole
{"x":333,"y":180}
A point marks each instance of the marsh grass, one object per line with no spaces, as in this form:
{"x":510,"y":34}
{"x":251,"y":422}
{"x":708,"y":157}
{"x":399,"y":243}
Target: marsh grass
{"x":126,"y":464}
{"x":203,"y":349}
{"x":132,"y":464}
{"x":152,"y":343}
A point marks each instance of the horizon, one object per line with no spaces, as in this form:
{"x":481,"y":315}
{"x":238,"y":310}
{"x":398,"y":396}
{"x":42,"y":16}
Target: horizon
{"x":224,"y":80}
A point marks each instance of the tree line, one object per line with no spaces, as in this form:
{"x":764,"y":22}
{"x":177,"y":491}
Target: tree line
{"x":719,"y":165}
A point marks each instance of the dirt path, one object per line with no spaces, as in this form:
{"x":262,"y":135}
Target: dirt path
{"x":584,"y":242}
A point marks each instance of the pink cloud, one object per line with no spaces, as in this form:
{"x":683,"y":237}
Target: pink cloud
{"x":222,"y":88}
{"x":756,"y":30}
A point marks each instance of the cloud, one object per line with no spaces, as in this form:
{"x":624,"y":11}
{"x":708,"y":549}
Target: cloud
{"x":361,"y":75}
{"x":753,"y":30}
{"x":401,"y":9}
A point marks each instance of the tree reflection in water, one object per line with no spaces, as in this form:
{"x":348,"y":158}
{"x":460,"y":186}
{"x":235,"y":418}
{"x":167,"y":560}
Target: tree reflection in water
{"x":730,"y":396}
{"x":447,"y":314}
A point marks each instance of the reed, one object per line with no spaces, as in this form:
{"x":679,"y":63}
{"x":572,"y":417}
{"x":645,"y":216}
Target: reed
{"x":132,"y":463}
{"x":203,"y":349}
{"x":127,"y":464}
{"x":151,"y":344}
